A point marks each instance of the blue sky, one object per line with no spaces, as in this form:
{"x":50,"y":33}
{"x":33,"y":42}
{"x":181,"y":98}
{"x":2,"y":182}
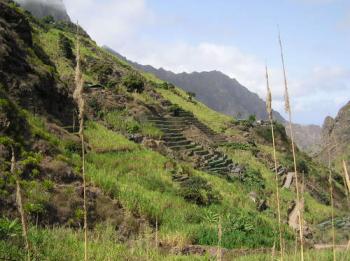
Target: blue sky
{"x":237,"y":38}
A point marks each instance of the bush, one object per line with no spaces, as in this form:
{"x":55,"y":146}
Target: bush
{"x":198,"y":191}
{"x":302,"y":167}
{"x":9,"y":228}
{"x":175,"y":110}
{"x":252,"y":179}
{"x":65,"y":45}
{"x":166,"y":86}
{"x":133,"y":83}
{"x":48,"y":19}
{"x":191,"y":95}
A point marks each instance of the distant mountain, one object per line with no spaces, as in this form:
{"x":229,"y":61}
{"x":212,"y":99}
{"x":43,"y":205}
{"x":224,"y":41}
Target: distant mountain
{"x":227,"y":95}
{"x":336,"y":131}
{"x":215,"y":89}
{"x":42,"y":8}
{"x":307,"y":137}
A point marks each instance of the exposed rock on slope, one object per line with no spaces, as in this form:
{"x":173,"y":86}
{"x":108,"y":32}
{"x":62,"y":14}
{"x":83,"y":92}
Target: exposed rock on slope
{"x":42,"y":8}
{"x":337,"y":132}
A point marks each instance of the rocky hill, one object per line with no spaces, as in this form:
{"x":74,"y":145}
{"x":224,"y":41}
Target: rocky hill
{"x":42,"y":8}
{"x":164,"y":171}
{"x":336,"y":132}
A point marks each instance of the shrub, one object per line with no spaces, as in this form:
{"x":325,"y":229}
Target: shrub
{"x":48,"y":19}
{"x":166,"y":86}
{"x":65,"y":45}
{"x":264,"y":132}
{"x":252,"y":179}
{"x":252,"y":119}
{"x":72,"y":146}
{"x":198,"y":191}
{"x":94,"y":104}
{"x":175,"y":110}
{"x":302,"y":167}
{"x":119,"y":120}
{"x":191,"y":95}
{"x":9,"y":228}
{"x":133,"y":82}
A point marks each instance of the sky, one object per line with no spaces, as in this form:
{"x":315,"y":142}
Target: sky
{"x":237,"y":37}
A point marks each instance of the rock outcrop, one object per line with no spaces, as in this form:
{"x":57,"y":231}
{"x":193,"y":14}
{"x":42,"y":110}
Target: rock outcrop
{"x":336,"y":132}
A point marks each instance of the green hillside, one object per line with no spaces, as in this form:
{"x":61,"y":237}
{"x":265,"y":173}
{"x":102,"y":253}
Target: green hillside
{"x":163,"y":169}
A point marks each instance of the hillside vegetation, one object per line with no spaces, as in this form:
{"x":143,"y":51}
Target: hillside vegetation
{"x":163,"y":169}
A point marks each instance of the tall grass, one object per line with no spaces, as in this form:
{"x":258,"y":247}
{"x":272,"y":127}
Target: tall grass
{"x":20,"y":204}
{"x":79,"y":99}
{"x":269,"y":111}
{"x":289,"y":111}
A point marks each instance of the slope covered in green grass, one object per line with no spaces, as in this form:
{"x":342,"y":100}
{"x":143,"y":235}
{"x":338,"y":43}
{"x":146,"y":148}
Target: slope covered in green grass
{"x":151,"y":193}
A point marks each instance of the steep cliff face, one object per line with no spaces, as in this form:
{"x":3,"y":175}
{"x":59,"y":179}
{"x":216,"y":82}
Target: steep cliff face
{"x":337,"y":133}
{"x":42,"y":8}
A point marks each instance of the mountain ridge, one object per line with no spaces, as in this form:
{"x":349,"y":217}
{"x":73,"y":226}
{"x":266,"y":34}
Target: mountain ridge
{"x":215,"y":89}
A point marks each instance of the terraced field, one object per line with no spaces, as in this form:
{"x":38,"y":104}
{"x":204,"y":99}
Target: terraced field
{"x":204,"y":156}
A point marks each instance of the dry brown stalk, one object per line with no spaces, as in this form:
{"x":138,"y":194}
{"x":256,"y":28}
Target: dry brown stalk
{"x":273,"y":251}
{"x":269,"y":111}
{"x":348,"y":185}
{"x":346,"y":175}
{"x":79,"y":99}
{"x":20,"y":204}
{"x":289,"y":111}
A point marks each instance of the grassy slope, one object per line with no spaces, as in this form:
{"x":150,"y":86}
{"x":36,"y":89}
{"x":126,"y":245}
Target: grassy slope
{"x":137,"y":178}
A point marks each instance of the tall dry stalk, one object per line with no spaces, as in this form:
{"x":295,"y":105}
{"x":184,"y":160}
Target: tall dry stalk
{"x":273,"y":251}
{"x":289,"y":111}
{"x":20,"y":203}
{"x":347,"y":178}
{"x":79,"y":99}
{"x":330,"y":178}
{"x":346,"y":173}
{"x":269,"y":112}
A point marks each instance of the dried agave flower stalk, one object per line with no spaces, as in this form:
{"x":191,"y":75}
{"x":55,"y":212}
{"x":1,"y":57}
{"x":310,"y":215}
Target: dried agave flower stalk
{"x":289,"y":111}
{"x":269,"y":112}
{"x":20,"y":204}
{"x":79,"y":99}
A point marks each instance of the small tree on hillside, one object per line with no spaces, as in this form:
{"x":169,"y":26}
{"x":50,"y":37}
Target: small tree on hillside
{"x":133,"y":83}
{"x":191,"y":95}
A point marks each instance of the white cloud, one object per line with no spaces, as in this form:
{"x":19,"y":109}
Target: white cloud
{"x":180,"y":57}
{"x":110,"y":22}
{"x":120,"y":24}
